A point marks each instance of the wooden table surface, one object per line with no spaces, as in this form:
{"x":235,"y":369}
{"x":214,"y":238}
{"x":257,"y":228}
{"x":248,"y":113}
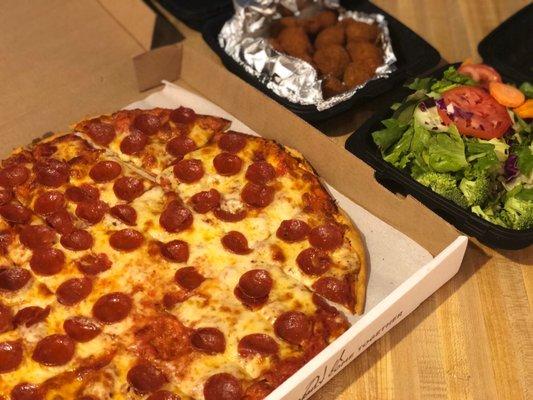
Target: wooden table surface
{"x":471,"y":340}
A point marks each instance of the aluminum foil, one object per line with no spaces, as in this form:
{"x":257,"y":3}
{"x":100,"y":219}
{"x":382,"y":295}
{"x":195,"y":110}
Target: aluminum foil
{"x":245,"y":38}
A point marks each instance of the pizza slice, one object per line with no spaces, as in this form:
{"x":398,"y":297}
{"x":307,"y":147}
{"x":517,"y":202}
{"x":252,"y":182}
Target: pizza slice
{"x":266,"y":199}
{"x":151,"y":139}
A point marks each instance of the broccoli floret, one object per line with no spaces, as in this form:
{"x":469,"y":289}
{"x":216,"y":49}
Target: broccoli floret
{"x":476,"y":191}
{"x":518,"y":213}
{"x":489,"y":215}
{"x":445,"y":185}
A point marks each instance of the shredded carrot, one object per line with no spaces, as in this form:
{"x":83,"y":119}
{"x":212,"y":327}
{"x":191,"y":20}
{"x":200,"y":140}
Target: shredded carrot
{"x":506,"y":95}
{"x":468,"y":61}
{"x":525,"y":110}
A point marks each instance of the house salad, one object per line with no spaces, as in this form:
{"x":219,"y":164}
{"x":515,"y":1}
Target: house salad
{"x":468,"y":137}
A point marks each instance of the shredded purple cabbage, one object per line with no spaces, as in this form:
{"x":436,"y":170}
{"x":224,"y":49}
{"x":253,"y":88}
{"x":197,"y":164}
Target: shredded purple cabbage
{"x":440,"y":104}
{"x":466,"y":115}
{"x":511,"y":168}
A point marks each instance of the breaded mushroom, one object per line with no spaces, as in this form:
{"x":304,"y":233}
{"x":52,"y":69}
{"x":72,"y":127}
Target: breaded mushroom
{"x":332,"y":86}
{"x":365,"y":53}
{"x":357,"y":73}
{"x":332,"y":35}
{"x":359,"y":31}
{"x":294,"y":41}
{"x":322,"y":20}
{"x":331,"y":60}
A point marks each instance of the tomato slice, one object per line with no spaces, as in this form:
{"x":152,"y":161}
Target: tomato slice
{"x":474,"y":112}
{"x":480,"y":73}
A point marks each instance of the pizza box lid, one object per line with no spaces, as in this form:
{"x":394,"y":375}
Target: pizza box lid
{"x":400,"y":182}
{"x":414,"y":55}
{"x":509,"y":48}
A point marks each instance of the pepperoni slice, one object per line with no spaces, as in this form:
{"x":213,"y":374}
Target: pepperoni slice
{"x":228,"y":216}
{"x":85,"y":192}
{"x":203,"y":202}
{"x":188,"y":278}
{"x":189,"y":171}
{"x":328,"y":236}
{"x":52,"y":172}
{"x":293,"y":327}
{"x":257,"y":343}
{"x":61,"y":221}
{"x":232,"y":142}
{"x":236,"y":242}
{"x":54,"y":350}
{"x":27,"y":391}
{"x":6,"y":316}
{"x":128,"y":188}
{"x":247,"y":301}
{"x":175,"y":217}
{"x":32,"y":315}
{"x":82,"y":329}
{"x":227,"y":164}
{"x":6,"y":195}
{"x":13,"y":279}
{"x":49,"y":202}
{"x":183,"y":115}
{"x":333,"y":289}
{"x":164,"y":395}
{"x":44,"y":150}
{"x":292,"y":230}
{"x":260,"y":172}
{"x":101,"y":132}
{"x":208,"y":340}
{"x":135,"y":142}
{"x":149,"y":124}
{"x":257,"y":195}
{"x":313,"y":261}
{"x":15,"y":213}
{"x":175,"y":250}
{"x":6,"y":238}
{"x":14,"y":175}
{"x":126,"y":239}
{"x":74,"y":290}
{"x":146,"y":378}
{"x":91,"y":264}
{"x":256,"y":283}
{"x":10,"y":356}
{"x":47,"y":261}
{"x":77,"y":240}
{"x":35,"y":236}
{"x":105,"y":171}
{"x":125,"y":213}
{"x":223,"y":386}
{"x":112,"y":307}
{"x":91,"y":211}
{"x":180,"y":145}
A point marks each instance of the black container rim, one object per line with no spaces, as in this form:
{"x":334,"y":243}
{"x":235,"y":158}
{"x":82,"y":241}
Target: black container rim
{"x":424,"y":58}
{"x":360,"y":144}
{"x":495,"y":41}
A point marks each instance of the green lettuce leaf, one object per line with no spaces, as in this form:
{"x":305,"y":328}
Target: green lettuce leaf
{"x":447,"y":152}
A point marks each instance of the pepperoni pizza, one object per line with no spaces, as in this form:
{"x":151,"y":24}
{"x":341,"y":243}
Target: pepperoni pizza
{"x":155,"y":255}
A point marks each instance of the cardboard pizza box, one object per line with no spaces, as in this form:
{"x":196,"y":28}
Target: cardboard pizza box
{"x":85,"y":58}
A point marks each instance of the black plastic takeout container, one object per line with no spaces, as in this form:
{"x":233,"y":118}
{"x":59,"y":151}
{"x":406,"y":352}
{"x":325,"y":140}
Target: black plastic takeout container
{"x":362,"y":145}
{"x":414,"y":56}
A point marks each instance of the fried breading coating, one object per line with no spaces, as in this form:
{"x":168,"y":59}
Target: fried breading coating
{"x":332,"y":86}
{"x":359,"y":31}
{"x":294,"y":42}
{"x":331,"y":60}
{"x":357,"y":73}
{"x":322,"y":20}
{"x":365,"y":53}
{"x":332,"y":35}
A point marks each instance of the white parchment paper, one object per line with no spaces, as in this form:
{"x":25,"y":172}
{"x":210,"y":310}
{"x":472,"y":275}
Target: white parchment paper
{"x":393,"y":257}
